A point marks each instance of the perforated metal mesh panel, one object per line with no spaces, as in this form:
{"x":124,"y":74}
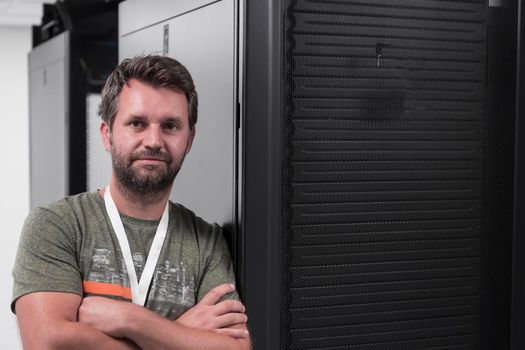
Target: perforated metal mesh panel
{"x":384,"y":173}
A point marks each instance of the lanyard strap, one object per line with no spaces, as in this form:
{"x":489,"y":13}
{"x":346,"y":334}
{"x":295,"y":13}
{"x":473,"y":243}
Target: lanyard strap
{"x":139,"y":290}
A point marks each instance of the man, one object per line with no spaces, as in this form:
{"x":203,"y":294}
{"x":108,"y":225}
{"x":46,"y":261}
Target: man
{"x":83,"y":259}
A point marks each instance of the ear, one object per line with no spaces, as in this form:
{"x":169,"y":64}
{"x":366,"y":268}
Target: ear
{"x":106,"y":135}
{"x":190,"y":140}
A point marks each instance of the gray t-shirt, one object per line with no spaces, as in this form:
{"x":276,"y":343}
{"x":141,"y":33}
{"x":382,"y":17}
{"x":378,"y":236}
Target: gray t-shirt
{"x":70,"y":246}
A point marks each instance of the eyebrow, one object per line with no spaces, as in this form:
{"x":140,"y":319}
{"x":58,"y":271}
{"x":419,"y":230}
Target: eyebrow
{"x":163,"y":119}
{"x":135,"y":117}
{"x":172,"y":119}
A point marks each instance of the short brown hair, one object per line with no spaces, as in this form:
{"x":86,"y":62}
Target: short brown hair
{"x":157,"y":71}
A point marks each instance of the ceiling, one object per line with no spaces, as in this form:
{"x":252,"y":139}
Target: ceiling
{"x":21,"y":13}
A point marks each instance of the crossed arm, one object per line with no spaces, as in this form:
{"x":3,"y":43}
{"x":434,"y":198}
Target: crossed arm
{"x":51,"y":320}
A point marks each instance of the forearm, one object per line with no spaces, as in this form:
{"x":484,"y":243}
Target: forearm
{"x":208,"y":325}
{"x":48,"y":321}
{"x":73,"y":335}
{"x":150,"y":332}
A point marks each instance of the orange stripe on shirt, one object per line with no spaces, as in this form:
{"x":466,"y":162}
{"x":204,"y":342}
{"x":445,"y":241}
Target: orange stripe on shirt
{"x":106,"y":289}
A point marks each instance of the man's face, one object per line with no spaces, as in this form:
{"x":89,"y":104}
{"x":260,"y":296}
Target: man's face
{"x":149,"y":138}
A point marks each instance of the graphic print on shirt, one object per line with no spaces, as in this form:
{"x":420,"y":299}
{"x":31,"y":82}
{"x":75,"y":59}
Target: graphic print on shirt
{"x":172,"y":283}
{"x":104,"y":269}
{"x":172,"y":291}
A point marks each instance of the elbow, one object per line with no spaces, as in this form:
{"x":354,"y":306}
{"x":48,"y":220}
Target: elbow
{"x":51,"y":337}
{"x":244,"y":344}
{"x":57,"y":339}
{"x":50,"y":341}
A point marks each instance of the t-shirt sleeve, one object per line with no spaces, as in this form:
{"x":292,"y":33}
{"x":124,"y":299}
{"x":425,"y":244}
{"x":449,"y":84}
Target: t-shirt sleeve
{"x":217,"y":264}
{"x":46,"y":257}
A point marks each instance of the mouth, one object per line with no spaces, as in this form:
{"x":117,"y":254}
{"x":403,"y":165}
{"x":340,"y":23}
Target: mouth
{"x":151,"y":160}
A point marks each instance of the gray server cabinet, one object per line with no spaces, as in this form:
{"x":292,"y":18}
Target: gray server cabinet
{"x":201,"y":35}
{"x":98,"y":160}
{"x":48,"y":114}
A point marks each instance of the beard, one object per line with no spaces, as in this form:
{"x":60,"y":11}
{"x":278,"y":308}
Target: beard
{"x":144,"y":182}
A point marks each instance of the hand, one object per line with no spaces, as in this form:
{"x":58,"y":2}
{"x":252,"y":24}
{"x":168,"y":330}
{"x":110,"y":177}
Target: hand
{"x":226,"y":317}
{"x":103,"y":314}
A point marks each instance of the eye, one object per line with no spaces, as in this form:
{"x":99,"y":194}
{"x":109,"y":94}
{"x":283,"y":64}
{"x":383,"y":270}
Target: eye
{"x":171,"y":126}
{"x":136,"y":124}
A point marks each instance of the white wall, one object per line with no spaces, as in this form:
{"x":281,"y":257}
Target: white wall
{"x":14,"y":164}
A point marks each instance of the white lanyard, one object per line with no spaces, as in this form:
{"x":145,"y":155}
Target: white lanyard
{"x":139,"y":290}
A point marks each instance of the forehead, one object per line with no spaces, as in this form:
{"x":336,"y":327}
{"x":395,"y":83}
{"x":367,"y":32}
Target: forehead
{"x":146,"y":100}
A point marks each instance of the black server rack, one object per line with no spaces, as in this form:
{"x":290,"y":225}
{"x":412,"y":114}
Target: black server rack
{"x":378,"y":152}
{"x":518,"y":282}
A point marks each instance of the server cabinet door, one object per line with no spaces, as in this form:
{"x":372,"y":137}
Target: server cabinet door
{"x":48,"y":121}
{"x":393,"y":226}
{"x":203,"y":41}
{"x":98,"y":160}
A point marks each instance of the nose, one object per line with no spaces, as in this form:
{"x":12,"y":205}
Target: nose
{"x":153,"y":137}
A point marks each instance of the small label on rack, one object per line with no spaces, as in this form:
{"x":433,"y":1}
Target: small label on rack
{"x":165,"y":46}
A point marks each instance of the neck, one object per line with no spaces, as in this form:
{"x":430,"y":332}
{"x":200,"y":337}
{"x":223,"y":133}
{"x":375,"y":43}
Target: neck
{"x":134,"y":205}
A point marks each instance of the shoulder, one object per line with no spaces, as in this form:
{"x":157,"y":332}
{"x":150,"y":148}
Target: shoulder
{"x":66,"y":210}
{"x":71,"y":203}
{"x":188,"y":218}
{"x":207,"y":235}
